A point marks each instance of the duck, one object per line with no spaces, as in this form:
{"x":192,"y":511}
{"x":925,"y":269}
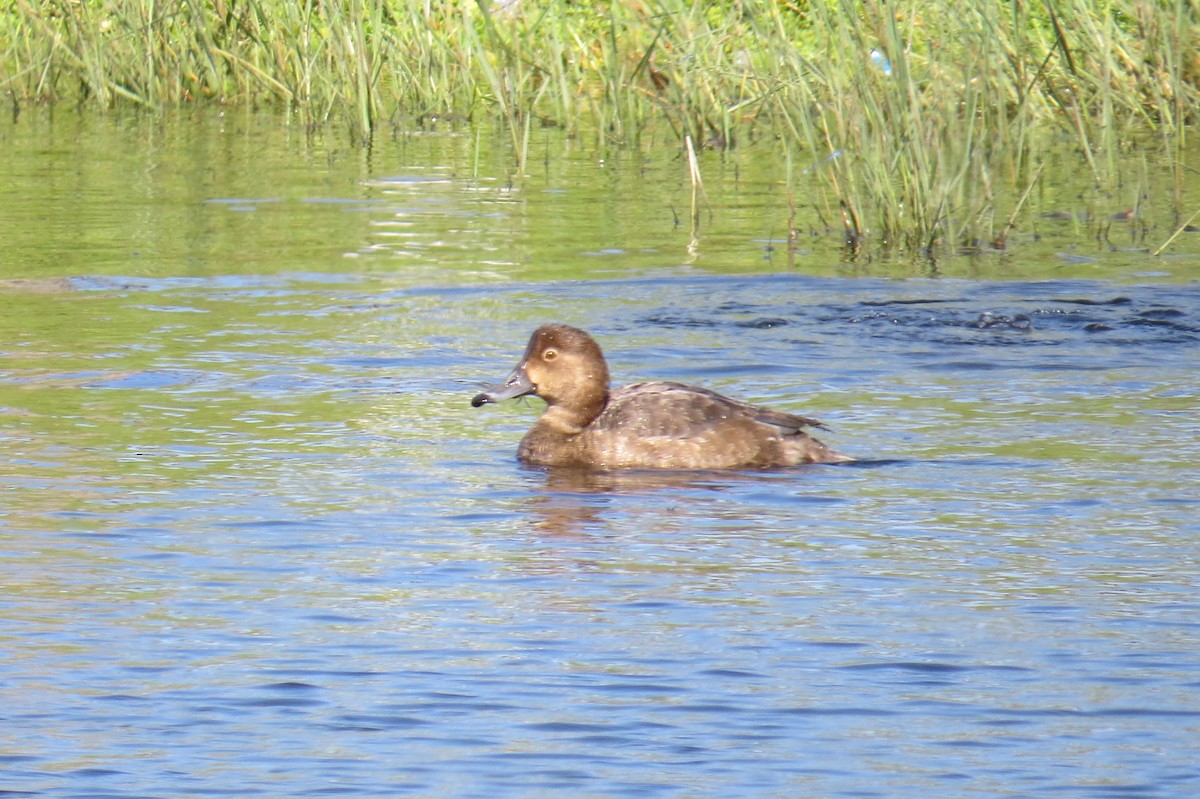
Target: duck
{"x":649,"y":425}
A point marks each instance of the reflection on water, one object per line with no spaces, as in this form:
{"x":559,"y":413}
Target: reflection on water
{"x":258,"y":543}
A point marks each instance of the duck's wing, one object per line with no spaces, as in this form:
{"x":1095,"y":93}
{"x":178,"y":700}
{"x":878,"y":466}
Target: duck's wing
{"x":682,"y":411}
{"x":674,"y":426}
{"x":787,"y":422}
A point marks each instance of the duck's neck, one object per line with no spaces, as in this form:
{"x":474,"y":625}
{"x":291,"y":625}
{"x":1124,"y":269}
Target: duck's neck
{"x":554,"y":438}
{"x":569,"y":418}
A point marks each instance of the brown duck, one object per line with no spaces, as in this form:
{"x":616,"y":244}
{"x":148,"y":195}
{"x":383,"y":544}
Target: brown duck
{"x":645,"y":425}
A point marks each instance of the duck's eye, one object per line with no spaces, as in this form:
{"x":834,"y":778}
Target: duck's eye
{"x":549,"y":355}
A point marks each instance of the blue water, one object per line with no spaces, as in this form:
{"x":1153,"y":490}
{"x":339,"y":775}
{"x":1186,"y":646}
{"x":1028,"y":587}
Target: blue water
{"x":257,"y":543}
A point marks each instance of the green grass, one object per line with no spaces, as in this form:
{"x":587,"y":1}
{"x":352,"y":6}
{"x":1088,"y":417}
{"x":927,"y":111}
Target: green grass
{"x":935,"y":154}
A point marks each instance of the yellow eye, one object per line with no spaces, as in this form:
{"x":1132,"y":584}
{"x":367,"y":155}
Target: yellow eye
{"x":549,"y":355}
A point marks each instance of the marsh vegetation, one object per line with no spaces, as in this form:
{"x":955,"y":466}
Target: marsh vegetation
{"x":922,"y":129}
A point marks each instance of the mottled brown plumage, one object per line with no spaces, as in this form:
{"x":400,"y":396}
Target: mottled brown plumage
{"x":644,"y":425}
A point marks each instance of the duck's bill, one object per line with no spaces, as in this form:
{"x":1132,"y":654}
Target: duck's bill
{"x":516,"y":384}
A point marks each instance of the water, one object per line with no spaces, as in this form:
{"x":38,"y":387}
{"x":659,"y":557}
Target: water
{"x":256,"y":542}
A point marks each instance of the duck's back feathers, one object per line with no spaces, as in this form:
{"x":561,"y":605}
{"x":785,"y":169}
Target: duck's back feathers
{"x":672,"y":425}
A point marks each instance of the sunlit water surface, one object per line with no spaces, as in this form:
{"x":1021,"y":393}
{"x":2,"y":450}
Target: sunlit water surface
{"x":256,"y":542}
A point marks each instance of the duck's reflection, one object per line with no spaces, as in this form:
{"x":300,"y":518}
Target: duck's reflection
{"x":576,"y":501}
{"x":631,"y":481}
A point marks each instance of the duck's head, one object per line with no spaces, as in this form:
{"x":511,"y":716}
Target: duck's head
{"x":562,"y":364}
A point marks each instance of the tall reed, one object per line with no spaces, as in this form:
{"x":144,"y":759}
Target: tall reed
{"x":921,"y":128}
